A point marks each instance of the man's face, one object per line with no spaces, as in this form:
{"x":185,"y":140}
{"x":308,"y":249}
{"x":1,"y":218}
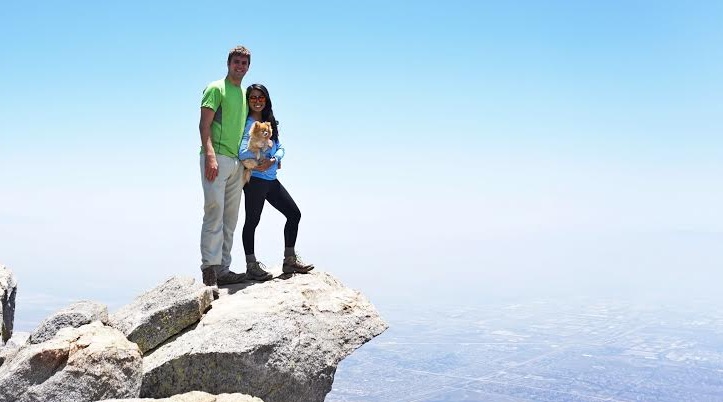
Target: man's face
{"x":238,"y":66}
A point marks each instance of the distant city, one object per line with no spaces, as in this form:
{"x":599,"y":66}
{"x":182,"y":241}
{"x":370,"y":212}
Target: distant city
{"x":540,"y":351}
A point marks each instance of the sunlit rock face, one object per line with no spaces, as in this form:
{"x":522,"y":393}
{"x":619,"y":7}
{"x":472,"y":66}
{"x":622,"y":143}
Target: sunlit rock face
{"x":88,"y":363}
{"x":274,"y":341}
{"x":75,"y":315}
{"x":194,"y":396}
{"x":279,"y":340}
{"x":162,"y":312}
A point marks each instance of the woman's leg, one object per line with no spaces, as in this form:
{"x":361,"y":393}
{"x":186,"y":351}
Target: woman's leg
{"x":280,"y":199}
{"x":256,"y":191}
{"x":255,"y":195}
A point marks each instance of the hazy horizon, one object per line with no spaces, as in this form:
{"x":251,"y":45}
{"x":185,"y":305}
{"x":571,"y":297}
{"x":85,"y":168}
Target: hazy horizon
{"x":466,"y":154}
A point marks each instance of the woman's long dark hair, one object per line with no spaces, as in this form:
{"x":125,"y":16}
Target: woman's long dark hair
{"x":267,"y":114}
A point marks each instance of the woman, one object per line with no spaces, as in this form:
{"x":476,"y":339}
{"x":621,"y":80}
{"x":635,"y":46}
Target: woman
{"x":264,"y":186}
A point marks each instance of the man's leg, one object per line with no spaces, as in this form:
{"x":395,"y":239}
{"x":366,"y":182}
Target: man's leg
{"x":234,"y":188}
{"x":213,"y":206}
{"x":212,"y":233}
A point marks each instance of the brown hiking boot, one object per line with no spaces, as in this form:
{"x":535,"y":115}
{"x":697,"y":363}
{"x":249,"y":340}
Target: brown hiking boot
{"x":294,"y":265}
{"x":255,"y":271}
{"x":208,"y":275}
{"x":230,"y":277}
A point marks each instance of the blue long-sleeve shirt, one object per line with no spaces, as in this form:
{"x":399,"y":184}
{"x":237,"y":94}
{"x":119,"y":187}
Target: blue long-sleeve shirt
{"x":276,"y":151}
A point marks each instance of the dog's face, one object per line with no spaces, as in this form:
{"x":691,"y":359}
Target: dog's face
{"x":260,"y":133}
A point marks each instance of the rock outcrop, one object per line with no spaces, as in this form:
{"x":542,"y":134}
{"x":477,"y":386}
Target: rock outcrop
{"x":195,"y":396}
{"x":75,"y":315}
{"x":8,"y":290}
{"x":162,"y":312}
{"x":279,"y":340}
{"x":88,"y":363}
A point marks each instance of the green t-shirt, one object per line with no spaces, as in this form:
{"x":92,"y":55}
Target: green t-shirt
{"x":229,"y":103}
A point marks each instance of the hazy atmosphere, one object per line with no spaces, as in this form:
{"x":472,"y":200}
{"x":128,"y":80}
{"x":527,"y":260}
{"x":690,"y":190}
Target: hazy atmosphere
{"x":457,"y":155}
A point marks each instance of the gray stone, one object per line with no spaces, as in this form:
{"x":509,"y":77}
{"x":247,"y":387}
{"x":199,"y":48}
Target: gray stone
{"x":279,"y":340}
{"x":162,"y":312}
{"x":89,"y":363}
{"x":7,"y":353}
{"x":75,"y":315}
{"x":13,"y":345}
{"x":8,"y":291}
{"x":19,"y":339}
{"x":195,"y":396}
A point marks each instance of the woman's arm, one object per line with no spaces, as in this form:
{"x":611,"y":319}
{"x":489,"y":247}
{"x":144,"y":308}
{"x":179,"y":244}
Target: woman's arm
{"x":280,"y":152}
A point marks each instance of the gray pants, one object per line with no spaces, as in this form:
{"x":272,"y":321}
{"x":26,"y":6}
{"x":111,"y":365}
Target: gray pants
{"x":222,"y":198}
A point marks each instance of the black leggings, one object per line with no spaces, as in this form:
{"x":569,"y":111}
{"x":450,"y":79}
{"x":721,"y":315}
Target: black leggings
{"x":256,"y":192}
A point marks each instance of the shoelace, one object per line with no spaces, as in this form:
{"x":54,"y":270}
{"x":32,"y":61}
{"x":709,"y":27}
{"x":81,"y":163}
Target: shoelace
{"x":259,"y":265}
{"x":298,"y":261}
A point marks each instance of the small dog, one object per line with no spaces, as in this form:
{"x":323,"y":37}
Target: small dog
{"x":259,"y":143}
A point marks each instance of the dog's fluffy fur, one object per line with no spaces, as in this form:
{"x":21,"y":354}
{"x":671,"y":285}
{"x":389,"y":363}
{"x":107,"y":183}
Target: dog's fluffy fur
{"x":259,"y":143}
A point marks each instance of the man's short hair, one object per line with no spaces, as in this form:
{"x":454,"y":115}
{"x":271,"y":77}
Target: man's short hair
{"x":238,"y":51}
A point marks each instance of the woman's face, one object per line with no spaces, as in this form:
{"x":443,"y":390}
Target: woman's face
{"x":257,"y":100}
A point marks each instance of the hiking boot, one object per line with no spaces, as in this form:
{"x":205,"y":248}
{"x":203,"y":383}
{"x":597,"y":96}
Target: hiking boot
{"x":255,"y":271}
{"x":208,"y":276}
{"x":229,"y":278}
{"x":293,"y":264}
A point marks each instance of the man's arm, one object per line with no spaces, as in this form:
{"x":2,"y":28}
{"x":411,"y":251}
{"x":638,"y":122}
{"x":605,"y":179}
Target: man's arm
{"x":204,"y":126}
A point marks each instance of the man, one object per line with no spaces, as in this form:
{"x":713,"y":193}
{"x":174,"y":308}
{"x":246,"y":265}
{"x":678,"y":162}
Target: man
{"x":223,"y":115}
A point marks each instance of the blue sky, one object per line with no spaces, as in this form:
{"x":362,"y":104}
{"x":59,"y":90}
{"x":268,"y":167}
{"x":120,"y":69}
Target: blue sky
{"x":465,"y":149}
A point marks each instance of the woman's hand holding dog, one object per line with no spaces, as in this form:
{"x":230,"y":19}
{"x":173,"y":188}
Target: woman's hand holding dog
{"x":265,"y":164}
